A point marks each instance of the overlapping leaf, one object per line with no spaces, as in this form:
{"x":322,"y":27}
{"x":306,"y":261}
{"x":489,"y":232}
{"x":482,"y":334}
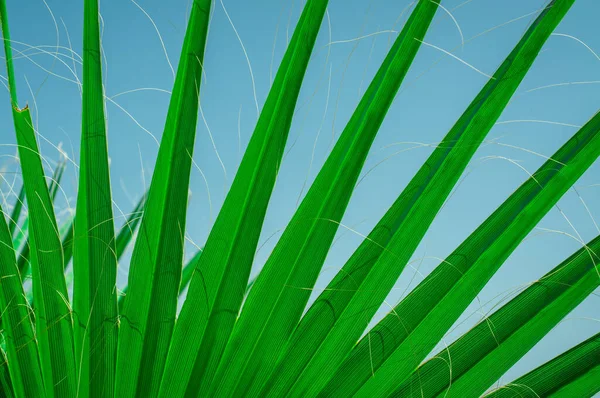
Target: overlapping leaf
{"x":155,"y":271}
{"x":22,"y":234}
{"x":342,"y":312}
{"x":221,"y":273}
{"x":415,"y":326}
{"x":54,"y":329}
{"x":575,"y":373}
{"x":23,"y":366}
{"x":94,"y":252}
{"x":469,"y":366}
{"x":16,"y":212}
{"x":6,"y":388}
{"x":275,"y":303}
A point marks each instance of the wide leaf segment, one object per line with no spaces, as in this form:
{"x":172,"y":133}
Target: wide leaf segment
{"x":221,"y":272}
{"x":148,"y":314}
{"x":95,"y":313}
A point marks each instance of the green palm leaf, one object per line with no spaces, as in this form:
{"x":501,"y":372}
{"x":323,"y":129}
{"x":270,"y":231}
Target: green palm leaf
{"x":485,"y":353}
{"x":54,"y":328}
{"x":342,"y":312}
{"x":125,"y":236}
{"x":23,"y":366}
{"x":574,"y":373}
{"x":6,"y":388}
{"x":435,"y":304}
{"x":94,"y":252}
{"x":155,"y":272}
{"x":22,"y":234}
{"x":131,"y":225}
{"x":221,"y":273}
{"x":53,"y":315}
{"x":16,"y":212}
{"x":272,"y":309}
{"x":237,"y":336}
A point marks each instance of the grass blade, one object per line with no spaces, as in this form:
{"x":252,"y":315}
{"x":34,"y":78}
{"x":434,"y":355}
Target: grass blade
{"x":486,"y":352}
{"x":53,"y":315}
{"x":23,"y":366}
{"x":574,"y":373}
{"x":272,"y":309}
{"x":221,"y":273}
{"x":149,"y":311}
{"x":94,"y":253}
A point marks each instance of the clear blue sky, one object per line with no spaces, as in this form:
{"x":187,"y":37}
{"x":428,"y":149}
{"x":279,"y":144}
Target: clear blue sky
{"x":436,"y":91}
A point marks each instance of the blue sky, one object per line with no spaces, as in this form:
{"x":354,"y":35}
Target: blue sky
{"x":434,"y":94}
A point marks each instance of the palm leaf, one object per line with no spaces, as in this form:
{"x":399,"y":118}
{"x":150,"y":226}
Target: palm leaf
{"x":23,"y":366}
{"x":6,"y":388}
{"x":221,"y":273}
{"x":16,"y":212}
{"x":53,"y":316}
{"x":94,"y":252}
{"x":342,"y":312}
{"x":131,"y":225}
{"x":124,"y":238}
{"x":486,"y":352}
{"x":67,"y":241}
{"x":188,"y":271}
{"x":574,"y":373}
{"x":23,"y":257}
{"x":435,"y":304}
{"x":155,"y":271}
{"x":272,"y":309}
{"x":66,"y":230}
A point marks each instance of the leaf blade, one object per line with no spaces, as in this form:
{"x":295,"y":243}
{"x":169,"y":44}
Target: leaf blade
{"x":94,"y":253}
{"x":16,"y":212}
{"x":574,"y":373}
{"x":23,"y":362}
{"x":431,"y":308}
{"x":53,"y":316}
{"x":149,"y":310}
{"x":271,"y":304}
{"x":341,"y":313}
{"x":482,"y":355}
{"x":220,"y":276}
